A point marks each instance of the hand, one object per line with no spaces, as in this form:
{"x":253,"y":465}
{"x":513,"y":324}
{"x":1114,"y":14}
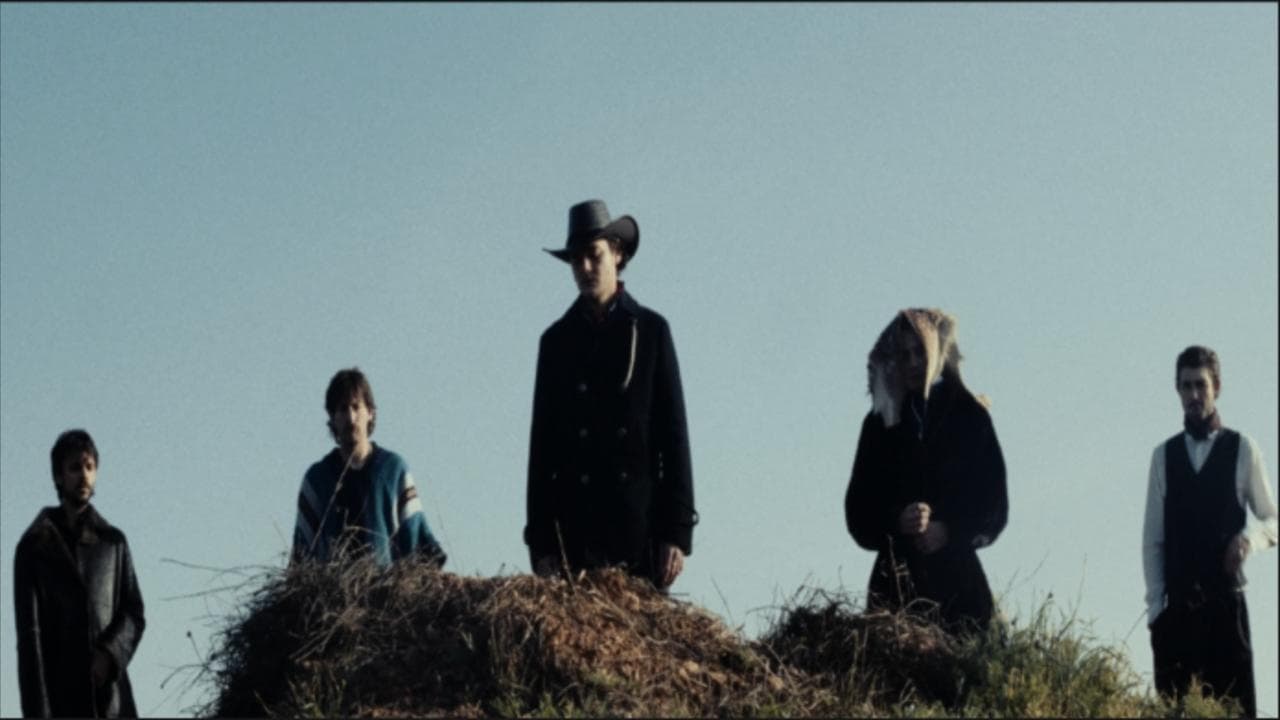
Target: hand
{"x":933,"y":539}
{"x":546,"y":566}
{"x":670,"y":563}
{"x":914,"y":518}
{"x":101,"y":668}
{"x":1237,"y":550}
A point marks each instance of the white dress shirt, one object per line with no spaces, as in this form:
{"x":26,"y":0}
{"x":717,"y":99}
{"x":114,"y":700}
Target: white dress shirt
{"x":1252,"y":491}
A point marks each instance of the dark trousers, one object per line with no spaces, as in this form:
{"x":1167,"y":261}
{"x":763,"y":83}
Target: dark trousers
{"x":1205,"y":635}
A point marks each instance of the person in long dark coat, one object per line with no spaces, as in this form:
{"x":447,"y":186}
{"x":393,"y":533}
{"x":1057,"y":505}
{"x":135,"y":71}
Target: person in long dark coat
{"x":610,"y":481}
{"x":928,"y":483}
{"x":77,"y":606}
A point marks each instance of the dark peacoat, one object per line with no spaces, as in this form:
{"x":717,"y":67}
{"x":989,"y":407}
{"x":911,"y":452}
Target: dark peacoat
{"x":609,"y":475}
{"x":66,"y":606}
{"x":955,"y":465}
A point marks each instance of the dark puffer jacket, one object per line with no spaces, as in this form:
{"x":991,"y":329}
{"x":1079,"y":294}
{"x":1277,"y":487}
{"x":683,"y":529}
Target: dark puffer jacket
{"x":66,"y":607}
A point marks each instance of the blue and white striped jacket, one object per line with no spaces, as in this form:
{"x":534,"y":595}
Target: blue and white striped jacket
{"x":392,"y":524}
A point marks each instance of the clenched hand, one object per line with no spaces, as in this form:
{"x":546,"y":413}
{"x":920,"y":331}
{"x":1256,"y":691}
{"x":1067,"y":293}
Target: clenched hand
{"x":670,"y":563}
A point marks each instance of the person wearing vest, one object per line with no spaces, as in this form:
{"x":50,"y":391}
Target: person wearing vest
{"x":1195,"y":539}
{"x":610,"y":482}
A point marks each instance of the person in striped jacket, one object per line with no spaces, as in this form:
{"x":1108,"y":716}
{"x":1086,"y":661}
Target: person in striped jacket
{"x":360,"y":497}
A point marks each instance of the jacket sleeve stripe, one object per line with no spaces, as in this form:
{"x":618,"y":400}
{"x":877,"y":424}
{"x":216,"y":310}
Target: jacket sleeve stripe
{"x":409,"y":503}
{"x":308,"y":515}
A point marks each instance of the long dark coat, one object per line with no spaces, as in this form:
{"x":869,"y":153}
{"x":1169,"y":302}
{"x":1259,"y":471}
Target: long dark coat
{"x":956,"y":467}
{"x":609,"y":468}
{"x":66,"y":607}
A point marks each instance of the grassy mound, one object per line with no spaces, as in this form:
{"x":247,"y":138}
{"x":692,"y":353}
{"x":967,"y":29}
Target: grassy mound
{"x":895,"y":664}
{"x":355,"y":639}
{"x":880,"y":658}
{"x":352,"y":639}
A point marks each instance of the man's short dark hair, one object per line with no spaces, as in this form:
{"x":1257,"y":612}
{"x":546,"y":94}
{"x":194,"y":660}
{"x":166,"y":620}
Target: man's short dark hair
{"x":71,"y":444}
{"x":345,"y":385}
{"x":1199,"y":356}
{"x":615,"y":244}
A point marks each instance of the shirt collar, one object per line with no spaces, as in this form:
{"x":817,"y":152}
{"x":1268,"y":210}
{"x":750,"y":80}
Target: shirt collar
{"x":1210,"y":437}
{"x":621,"y":301}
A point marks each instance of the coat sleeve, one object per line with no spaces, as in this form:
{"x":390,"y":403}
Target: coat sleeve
{"x":1255,"y":493}
{"x":26,"y":605}
{"x":539,"y":529}
{"x":412,"y":534}
{"x":121,"y":637}
{"x":1153,"y":537}
{"x":308,"y":523}
{"x":867,"y":510}
{"x":987,"y":506}
{"x":673,"y":495}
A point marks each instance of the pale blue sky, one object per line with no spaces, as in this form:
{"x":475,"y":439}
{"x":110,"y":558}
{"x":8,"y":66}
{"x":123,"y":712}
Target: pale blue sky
{"x":207,"y":210}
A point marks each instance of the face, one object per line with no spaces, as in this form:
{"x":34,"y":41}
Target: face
{"x":350,"y":422}
{"x":76,"y":479}
{"x":595,"y":269}
{"x":912,"y":361}
{"x":1197,"y":391}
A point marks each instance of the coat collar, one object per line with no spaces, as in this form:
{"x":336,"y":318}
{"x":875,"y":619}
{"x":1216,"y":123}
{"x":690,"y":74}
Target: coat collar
{"x":334,"y":458}
{"x":623,"y":306}
{"x":46,"y":525}
{"x":925,"y":416}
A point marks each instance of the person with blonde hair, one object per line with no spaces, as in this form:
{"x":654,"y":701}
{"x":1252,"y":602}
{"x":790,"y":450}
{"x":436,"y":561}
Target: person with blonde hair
{"x":928,"y":483}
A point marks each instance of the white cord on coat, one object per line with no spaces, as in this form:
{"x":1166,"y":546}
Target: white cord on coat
{"x":631,"y":364}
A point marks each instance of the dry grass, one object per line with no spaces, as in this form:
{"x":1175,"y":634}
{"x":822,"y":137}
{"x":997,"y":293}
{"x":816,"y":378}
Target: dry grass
{"x":352,"y":639}
{"x":885,"y":658}
{"x":356,"y":639}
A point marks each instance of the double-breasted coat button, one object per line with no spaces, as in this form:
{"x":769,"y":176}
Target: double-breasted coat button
{"x":582,"y":432}
{"x":582,"y":387}
{"x":584,"y":479}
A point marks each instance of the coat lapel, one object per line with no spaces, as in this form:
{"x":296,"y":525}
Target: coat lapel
{"x":51,"y":542}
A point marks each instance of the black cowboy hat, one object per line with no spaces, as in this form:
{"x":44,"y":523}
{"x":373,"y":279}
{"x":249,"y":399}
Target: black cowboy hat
{"x":588,"y":221}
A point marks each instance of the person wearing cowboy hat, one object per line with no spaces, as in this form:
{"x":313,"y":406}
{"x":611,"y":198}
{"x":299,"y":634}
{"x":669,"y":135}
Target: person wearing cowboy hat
{"x":610,"y":479}
{"x":928,"y":483}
